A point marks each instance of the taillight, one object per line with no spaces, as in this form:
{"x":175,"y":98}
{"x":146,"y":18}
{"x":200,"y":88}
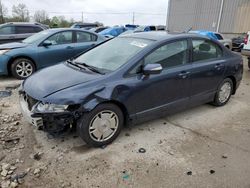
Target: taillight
{"x":246,"y":39}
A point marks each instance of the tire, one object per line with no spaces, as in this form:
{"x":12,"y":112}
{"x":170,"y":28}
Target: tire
{"x":248,"y":63}
{"x":22,"y":68}
{"x":93,"y":126}
{"x":224,"y":93}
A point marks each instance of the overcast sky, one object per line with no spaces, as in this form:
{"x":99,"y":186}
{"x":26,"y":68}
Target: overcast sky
{"x":73,"y":9}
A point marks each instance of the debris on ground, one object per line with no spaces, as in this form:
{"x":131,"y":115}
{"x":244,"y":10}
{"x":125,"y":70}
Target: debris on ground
{"x":37,"y":156}
{"x":142,"y":150}
{"x":224,"y":156}
{"x":125,"y":175}
{"x":189,"y":173}
{"x":212,"y":171}
{"x":4,"y":94}
{"x":127,"y":134}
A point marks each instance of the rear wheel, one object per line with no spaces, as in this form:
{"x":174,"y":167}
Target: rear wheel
{"x":224,"y":92}
{"x":22,"y":68}
{"x":249,"y":62}
{"x":102,"y":125}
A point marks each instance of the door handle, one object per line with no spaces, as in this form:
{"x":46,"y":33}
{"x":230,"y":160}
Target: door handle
{"x":69,"y":47}
{"x":184,"y":74}
{"x":217,"y":66}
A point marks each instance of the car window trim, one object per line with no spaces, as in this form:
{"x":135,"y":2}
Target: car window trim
{"x":207,"y":60}
{"x":91,"y":36}
{"x":127,"y":74}
{"x":55,"y":34}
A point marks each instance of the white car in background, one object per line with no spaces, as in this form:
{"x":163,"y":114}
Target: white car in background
{"x":246,"y":49}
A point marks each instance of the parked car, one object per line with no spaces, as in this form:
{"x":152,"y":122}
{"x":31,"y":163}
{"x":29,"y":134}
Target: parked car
{"x":140,"y":29}
{"x":98,"y":29}
{"x":21,"y":59}
{"x":18,"y":31}
{"x":216,"y":36}
{"x":246,"y":49}
{"x":86,"y":26}
{"x":128,"y":80}
{"x":113,"y":31}
{"x":238,"y":43}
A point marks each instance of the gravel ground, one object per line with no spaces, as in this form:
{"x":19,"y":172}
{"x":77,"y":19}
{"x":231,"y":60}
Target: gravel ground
{"x":200,"y":147}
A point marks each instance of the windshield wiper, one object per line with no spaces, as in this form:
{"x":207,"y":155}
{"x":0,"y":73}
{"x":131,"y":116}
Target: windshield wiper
{"x":73,"y":63}
{"x":92,"y":68}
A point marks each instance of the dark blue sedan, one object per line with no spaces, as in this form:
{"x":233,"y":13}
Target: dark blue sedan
{"x":128,"y":80}
{"x":44,"y":49}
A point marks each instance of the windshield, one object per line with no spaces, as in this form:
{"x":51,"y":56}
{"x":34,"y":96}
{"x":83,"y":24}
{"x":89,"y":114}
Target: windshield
{"x":35,"y":37}
{"x":114,"y":53}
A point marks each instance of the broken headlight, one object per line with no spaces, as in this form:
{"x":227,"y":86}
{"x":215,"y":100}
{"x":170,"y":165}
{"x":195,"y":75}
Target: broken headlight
{"x":47,"y":107}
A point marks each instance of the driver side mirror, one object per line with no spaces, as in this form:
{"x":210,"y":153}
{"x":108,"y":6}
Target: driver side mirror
{"x":47,"y":43}
{"x":152,"y":69}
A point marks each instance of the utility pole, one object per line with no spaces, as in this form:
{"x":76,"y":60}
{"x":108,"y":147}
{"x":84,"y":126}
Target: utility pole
{"x":220,"y":15}
{"x":133,"y":19}
{"x":168,"y":14}
{"x":82,"y":17}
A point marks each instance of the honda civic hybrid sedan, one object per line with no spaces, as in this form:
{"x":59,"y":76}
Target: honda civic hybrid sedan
{"x":128,"y":80}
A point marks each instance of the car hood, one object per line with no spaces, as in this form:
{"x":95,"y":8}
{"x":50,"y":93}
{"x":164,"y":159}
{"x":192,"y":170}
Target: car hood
{"x":13,"y":45}
{"x":54,"y":79}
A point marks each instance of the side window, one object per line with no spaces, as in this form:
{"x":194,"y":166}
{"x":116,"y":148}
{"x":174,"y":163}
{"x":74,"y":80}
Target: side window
{"x":204,"y":50}
{"x":64,"y":37}
{"x":24,"y":29}
{"x":7,"y":30}
{"x":169,"y":55}
{"x":85,"y":37}
{"x":219,"y":37}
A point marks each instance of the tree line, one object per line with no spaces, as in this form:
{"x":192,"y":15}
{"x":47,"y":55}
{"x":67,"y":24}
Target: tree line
{"x":20,"y":13}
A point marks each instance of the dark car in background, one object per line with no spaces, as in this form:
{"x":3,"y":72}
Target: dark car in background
{"x":46,"y":48}
{"x":128,"y":80}
{"x":98,"y":29}
{"x":238,"y":43}
{"x":86,"y":26}
{"x":18,"y":31}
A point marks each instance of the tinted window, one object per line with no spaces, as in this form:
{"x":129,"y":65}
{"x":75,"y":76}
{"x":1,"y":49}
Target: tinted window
{"x":61,"y":38}
{"x":219,"y":37}
{"x":25,"y":29}
{"x":85,"y":37}
{"x":7,"y":30}
{"x":169,"y":55}
{"x":205,"y":50}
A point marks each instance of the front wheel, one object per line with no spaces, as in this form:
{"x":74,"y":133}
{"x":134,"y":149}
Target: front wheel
{"x":224,"y":92}
{"x":22,"y":68}
{"x":101,"y":125}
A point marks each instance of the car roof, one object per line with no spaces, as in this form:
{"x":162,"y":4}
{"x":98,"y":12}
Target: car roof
{"x":161,"y":35}
{"x":54,"y":30}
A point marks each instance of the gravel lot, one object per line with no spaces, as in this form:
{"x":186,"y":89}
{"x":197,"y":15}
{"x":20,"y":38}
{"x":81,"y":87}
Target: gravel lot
{"x":200,"y":147}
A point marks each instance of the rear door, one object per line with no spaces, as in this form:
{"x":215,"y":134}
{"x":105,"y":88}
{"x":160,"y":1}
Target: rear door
{"x":61,"y":49}
{"x":208,"y":68}
{"x":83,"y":41}
{"x":24,"y":31}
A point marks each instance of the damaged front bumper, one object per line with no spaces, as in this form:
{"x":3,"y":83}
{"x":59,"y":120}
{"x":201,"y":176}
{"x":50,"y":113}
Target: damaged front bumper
{"x":51,"y":122}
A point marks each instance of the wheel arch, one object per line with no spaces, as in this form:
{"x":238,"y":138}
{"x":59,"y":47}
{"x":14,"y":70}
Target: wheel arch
{"x":17,"y":57}
{"x":234,"y":83}
{"x":91,"y":106}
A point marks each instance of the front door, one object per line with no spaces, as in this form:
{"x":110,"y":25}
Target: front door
{"x":61,"y":49}
{"x":155,"y":95}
